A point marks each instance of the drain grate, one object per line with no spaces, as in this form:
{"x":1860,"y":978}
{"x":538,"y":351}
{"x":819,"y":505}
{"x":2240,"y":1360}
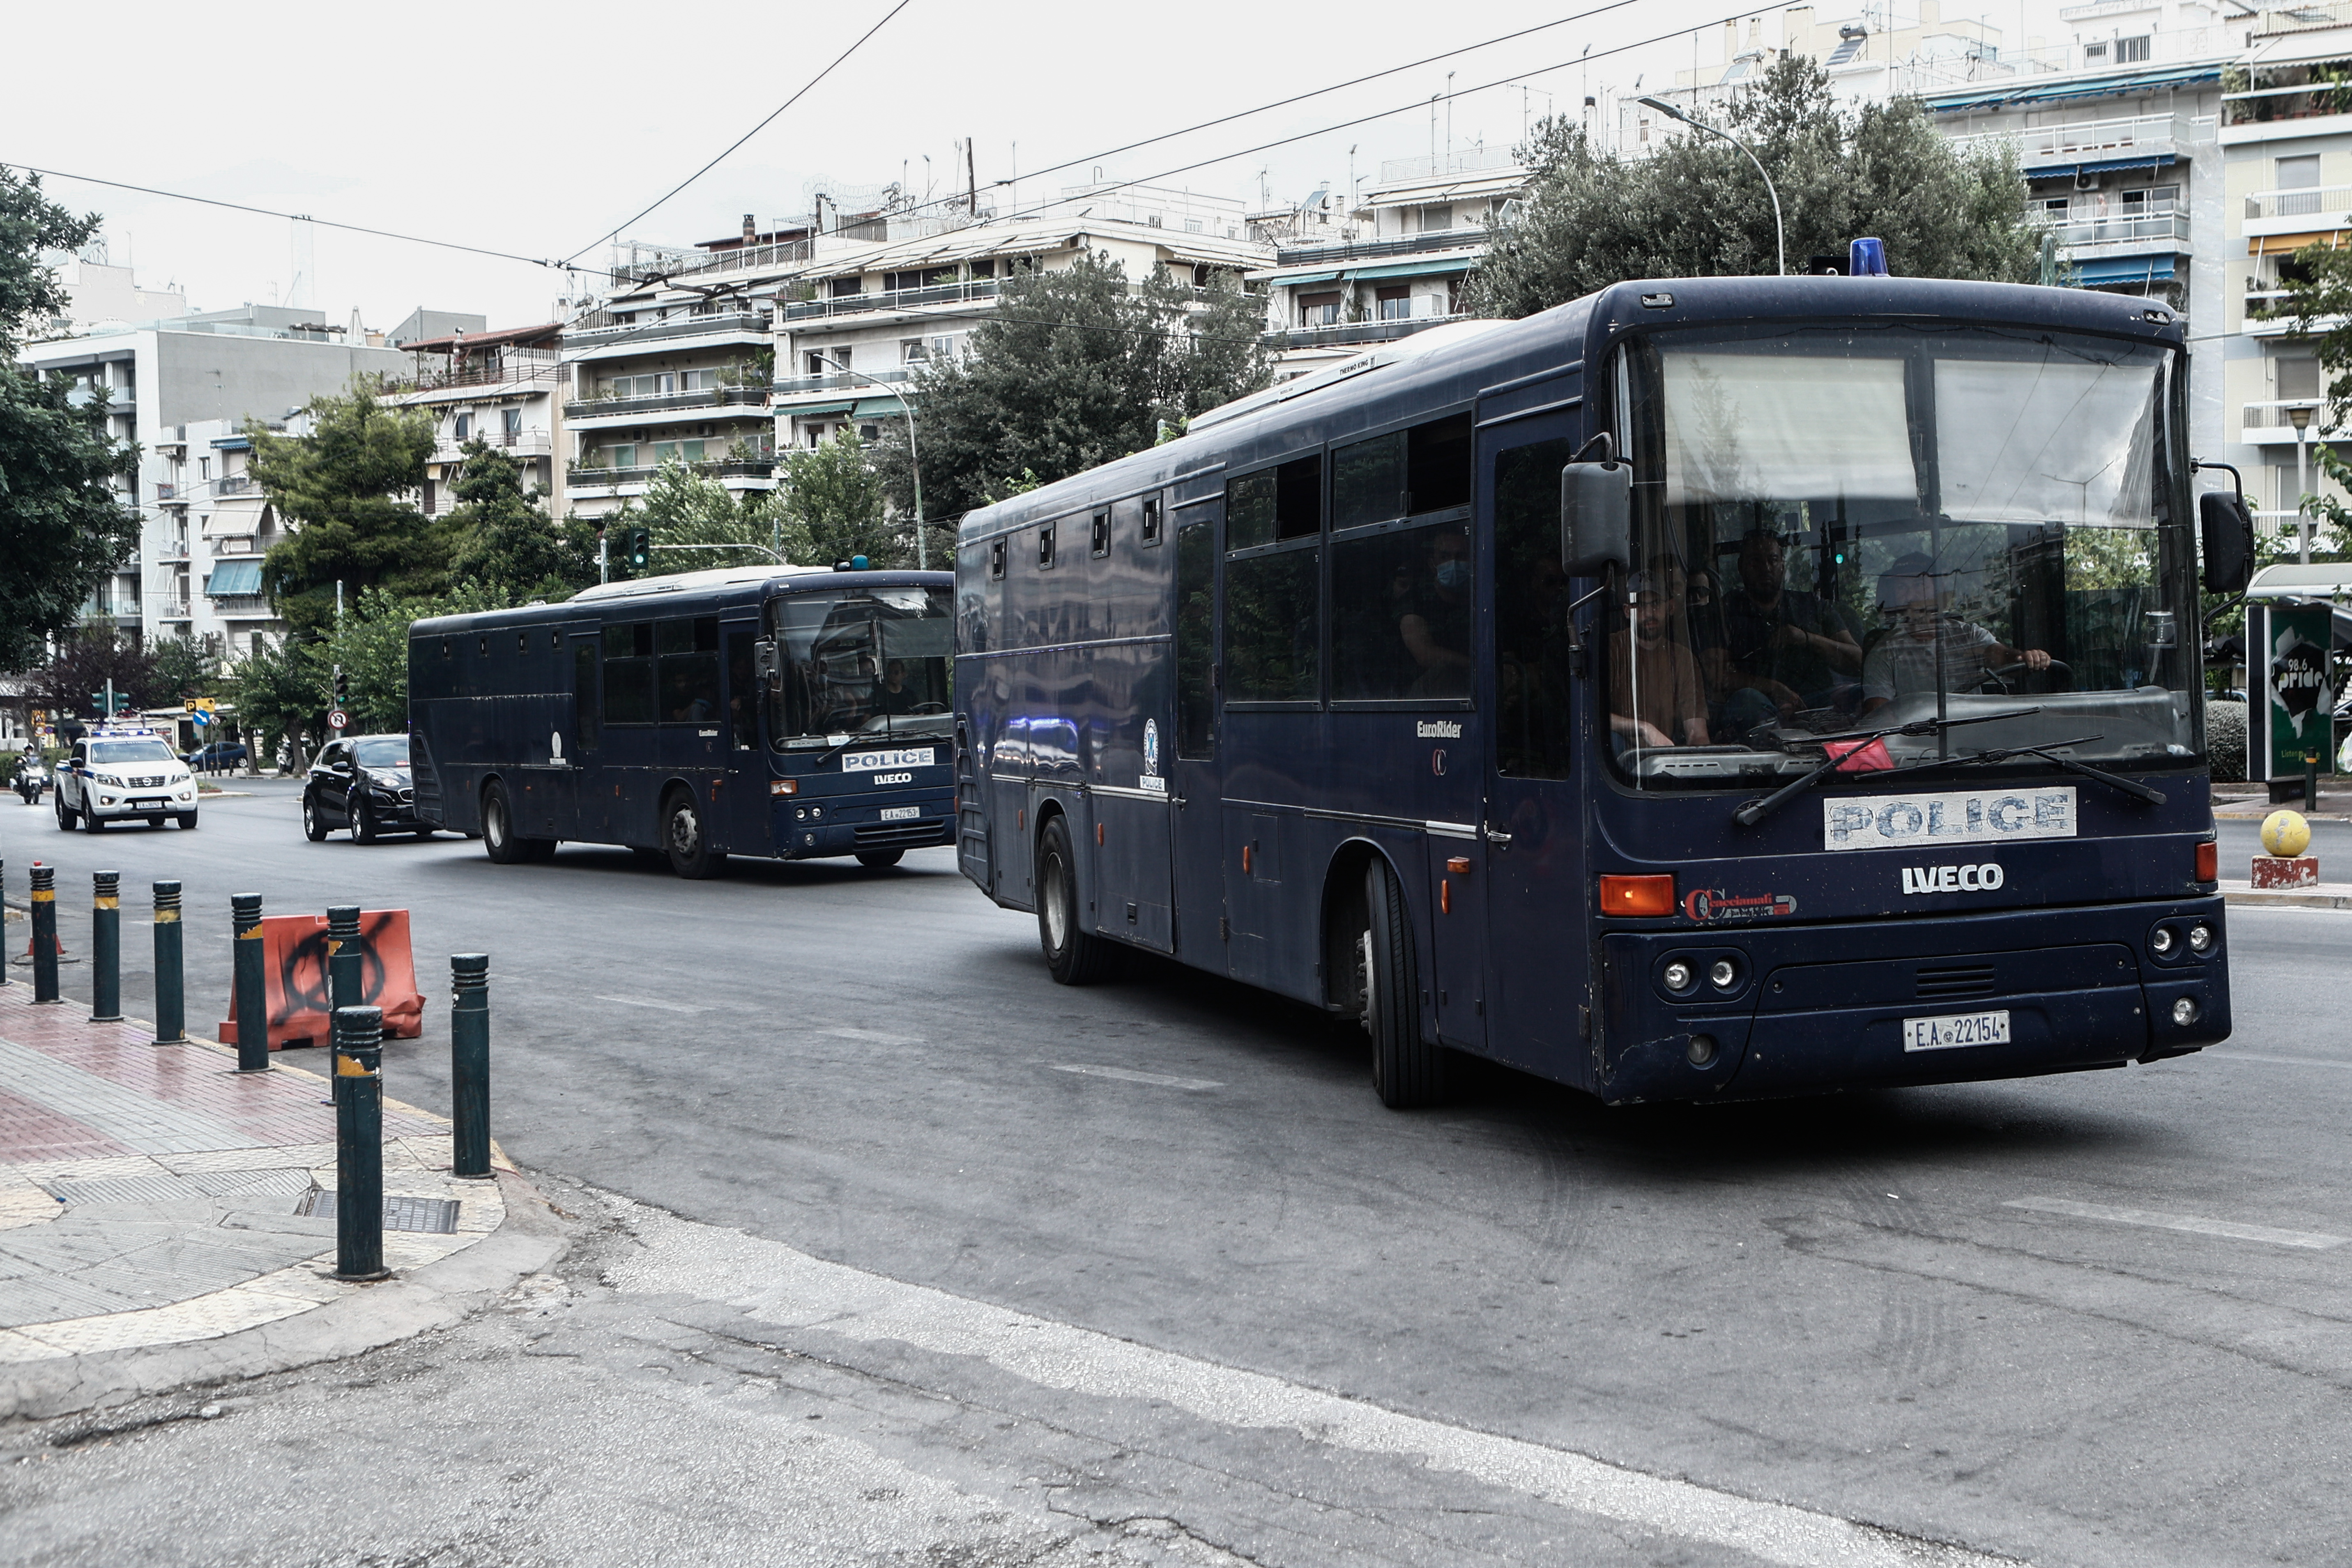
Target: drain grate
{"x":275,"y":1183}
{"x":437,"y":1215}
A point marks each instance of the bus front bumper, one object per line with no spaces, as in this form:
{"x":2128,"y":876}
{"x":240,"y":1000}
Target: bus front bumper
{"x":1943,"y":999}
{"x":832,"y":826}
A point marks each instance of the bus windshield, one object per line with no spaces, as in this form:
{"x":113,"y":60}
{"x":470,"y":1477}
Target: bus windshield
{"x":861,"y":661}
{"x":1847,"y":529}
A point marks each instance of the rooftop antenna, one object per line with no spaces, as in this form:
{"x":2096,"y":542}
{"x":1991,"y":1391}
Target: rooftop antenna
{"x":1449,"y":117}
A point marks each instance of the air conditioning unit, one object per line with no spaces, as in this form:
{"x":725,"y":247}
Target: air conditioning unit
{"x":2086,"y":182}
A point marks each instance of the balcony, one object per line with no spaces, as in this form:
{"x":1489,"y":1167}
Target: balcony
{"x":232,"y":484}
{"x":1476,"y":161}
{"x":2268,"y":425}
{"x":170,"y":608}
{"x":242,"y":606}
{"x":889,"y":300}
{"x":800,"y":385}
{"x":2163,"y":231}
{"x":703,"y":399}
{"x":2091,"y":141}
{"x":2284,"y":93}
{"x":120,"y":399}
{"x":509,"y":366}
{"x":1343,"y":334}
{"x":2306,"y":209}
{"x":514,"y":443}
{"x":1374,"y":250}
{"x":762,"y":469}
{"x":172,"y":549}
{"x":602,"y":334}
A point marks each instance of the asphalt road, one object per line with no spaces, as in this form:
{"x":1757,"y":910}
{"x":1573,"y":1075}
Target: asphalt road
{"x":2098,"y":1319}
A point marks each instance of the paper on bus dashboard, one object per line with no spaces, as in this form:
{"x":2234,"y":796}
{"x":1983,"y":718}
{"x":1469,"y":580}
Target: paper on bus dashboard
{"x":869,"y":761}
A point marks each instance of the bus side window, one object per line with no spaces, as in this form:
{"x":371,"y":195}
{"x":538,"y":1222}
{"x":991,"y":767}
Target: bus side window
{"x":1196,"y":586}
{"x":629,"y":673}
{"x":689,"y":650}
{"x":742,"y":693}
{"x":1100,"y":542}
{"x":584,"y":693}
{"x":1152,"y":519}
{"x":1531,"y":599}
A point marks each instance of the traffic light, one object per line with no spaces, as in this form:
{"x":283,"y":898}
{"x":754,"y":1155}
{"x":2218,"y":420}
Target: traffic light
{"x":120,"y":703}
{"x":343,"y":689}
{"x":638,"y":548}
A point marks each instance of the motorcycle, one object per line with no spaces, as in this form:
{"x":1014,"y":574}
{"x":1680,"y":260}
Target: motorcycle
{"x":31,"y":779}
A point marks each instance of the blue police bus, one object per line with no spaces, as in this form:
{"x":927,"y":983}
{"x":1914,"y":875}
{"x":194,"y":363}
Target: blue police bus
{"x":797,"y":713}
{"x":1707,"y":689}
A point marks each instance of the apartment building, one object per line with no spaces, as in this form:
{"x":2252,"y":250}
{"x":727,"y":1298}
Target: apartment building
{"x":99,"y":293}
{"x":204,"y":565}
{"x":505,"y":387}
{"x":1397,"y":267}
{"x":161,"y":380}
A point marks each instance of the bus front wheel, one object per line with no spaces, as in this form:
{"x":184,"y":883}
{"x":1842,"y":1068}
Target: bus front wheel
{"x":1072,"y":956}
{"x":879,"y":859}
{"x":1407,"y":1070}
{"x":684,"y":837}
{"x":498,"y":828}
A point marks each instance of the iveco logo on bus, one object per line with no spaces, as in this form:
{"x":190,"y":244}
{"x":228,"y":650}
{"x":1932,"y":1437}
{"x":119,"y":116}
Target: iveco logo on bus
{"x":894,"y":778}
{"x":1981,"y":878}
{"x":1437,"y":729}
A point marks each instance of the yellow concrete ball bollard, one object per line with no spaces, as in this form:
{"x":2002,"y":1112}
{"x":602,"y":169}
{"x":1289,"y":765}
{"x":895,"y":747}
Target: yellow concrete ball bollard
{"x":2286,"y":833}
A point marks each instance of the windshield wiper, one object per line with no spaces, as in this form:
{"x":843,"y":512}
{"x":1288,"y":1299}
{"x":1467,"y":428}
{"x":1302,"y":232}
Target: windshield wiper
{"x":1756,"y":811}
{"x":2049,"y":753}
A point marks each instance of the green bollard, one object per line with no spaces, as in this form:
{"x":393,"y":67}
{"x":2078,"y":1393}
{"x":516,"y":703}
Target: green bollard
{"x":44,"y":935}
{"x":359,"y":1143}
{"x":344,"y":956}
{"x":251,"y":991}
{"x":106,"y":947}
{"x":171,"y":978}
{"x":469,"y":1065}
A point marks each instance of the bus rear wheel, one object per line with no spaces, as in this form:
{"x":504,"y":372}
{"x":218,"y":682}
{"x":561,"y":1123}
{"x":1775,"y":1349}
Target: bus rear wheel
{"x":498,"y":838}
{"x":1407,"y":1070}
{"x":685,"y":837}
{"x":1072,"y":956}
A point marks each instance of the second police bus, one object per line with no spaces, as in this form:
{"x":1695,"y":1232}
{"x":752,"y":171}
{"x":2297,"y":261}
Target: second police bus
{"x":799,"y":713}
{"x":1703,"y":690}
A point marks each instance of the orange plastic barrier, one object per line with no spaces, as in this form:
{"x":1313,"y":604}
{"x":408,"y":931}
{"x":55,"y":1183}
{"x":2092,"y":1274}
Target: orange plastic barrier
{"x":294,"y":959}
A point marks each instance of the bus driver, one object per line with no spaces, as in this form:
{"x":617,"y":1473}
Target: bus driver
{"x":1903,"y":664}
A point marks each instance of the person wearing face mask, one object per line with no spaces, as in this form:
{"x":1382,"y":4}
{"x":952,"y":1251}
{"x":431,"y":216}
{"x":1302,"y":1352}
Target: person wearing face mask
{"x":1435,"y":623}
{"x":1904,"y":663}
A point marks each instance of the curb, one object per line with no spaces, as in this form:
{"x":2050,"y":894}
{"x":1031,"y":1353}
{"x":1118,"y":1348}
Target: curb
{"x":2265,"y":898}
{"x":438,"y":1296}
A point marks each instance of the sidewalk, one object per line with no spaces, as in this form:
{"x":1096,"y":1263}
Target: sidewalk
{"x":2251,"y":803}
{"x":160,"y":1217}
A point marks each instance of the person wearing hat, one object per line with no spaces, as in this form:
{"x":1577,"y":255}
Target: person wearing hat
{"x":1654,"y":696}
{"x":1912,"y":597}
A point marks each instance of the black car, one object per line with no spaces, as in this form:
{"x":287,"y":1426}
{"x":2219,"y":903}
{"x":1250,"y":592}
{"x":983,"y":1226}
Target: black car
{"x":361,"y":783}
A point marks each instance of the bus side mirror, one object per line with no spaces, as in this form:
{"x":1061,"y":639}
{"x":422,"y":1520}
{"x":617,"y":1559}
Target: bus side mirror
{"x":1596,"y":517}
{"x":765,"y":666}
{"x":2226,"y":532}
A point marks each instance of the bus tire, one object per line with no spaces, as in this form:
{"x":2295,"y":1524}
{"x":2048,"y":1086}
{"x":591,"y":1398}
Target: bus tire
{"x":685,"y":838}
{"x":879,"y":859}
{"x":1072,"y":956}
{"x":1407,"y":1070}
{"x":498,"y":840}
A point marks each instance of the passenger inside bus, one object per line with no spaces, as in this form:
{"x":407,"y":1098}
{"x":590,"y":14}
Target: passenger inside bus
{"x":1654,"y":696}
{"x":1915,"y":599}
{"x":1782,"y":650}
{"x":894,"y":696}
{"x":1435,"y":623}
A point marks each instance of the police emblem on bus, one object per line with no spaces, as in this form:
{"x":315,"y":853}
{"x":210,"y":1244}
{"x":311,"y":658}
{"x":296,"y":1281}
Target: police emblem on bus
{"x":1981,"y":878}
{"x":1151,"y":745}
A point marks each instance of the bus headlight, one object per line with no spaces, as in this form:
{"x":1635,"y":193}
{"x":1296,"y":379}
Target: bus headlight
{"x":2160,"y":942}
{"x":2200,"y":939}
{"x":1724,"y":974}
{"x":1677,"y":975}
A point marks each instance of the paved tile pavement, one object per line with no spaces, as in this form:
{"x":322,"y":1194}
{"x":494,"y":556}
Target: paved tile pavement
{"x":149,"y":1194}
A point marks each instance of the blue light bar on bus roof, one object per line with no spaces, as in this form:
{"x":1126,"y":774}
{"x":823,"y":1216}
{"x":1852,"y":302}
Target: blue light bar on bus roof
{"x":1866,"y":258}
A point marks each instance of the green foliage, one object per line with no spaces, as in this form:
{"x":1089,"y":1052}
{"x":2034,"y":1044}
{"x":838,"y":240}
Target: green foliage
{"x":2318,"y":305}
{"x":504,"y":535}
{"x":1074,"y":368}
{"x":682,"y":507}
{"x":2225,"y":741}
{"x":184,"y":667}
{"x":277,"y":696}
{"x":336,"y":483}
{"x":1695,"y":208}
{"x":62,"y":530}
{"x":831,"y":501}
{"x":81,"y":661}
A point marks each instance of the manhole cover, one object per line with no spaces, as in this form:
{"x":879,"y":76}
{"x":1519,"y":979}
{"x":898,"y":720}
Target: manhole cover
{"x":438,"y":1215}
{"x":163,"y":1187}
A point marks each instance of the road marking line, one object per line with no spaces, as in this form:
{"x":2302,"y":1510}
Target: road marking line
{"x":678,"y":1256}
{"x":2316,"y":1241}
{"x":2282,"y":1061}
{"x":649,"y":1001}
{"x":1128,"y":1075}
{"x":870,"y":1036}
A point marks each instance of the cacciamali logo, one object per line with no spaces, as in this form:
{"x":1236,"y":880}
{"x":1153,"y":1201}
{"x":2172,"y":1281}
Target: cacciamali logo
{"x":1973,"y":816}
{"x":1437,"y":729}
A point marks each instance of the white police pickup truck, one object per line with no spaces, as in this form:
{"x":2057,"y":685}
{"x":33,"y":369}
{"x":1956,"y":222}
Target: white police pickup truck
{"x":117,"y":774}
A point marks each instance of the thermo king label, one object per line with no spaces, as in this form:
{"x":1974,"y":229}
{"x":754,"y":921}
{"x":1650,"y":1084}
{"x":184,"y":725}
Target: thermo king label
{"x":1966,"y":817}
{"x":874,"y":761}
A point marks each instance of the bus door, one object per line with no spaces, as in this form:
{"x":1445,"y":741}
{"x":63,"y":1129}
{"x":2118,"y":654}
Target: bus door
{"x":1537,"y":899}
{"x":746,"y":816}
{"x":591,"y":793}
{"x":1196,"y":788}
{"x":549,"y":804}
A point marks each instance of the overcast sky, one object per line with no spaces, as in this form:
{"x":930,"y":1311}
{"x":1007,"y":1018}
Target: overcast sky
{"x":536,"y":130}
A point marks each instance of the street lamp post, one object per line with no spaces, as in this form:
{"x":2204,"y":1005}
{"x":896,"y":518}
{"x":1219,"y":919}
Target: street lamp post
{"x":2300,"y":417}
{"x":914,"y":459}
{"x":1779,"y":235}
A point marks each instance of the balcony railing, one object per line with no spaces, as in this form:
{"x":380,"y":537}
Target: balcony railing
{"x":170,"y":608}
{"x":1371,"y":249}
{"x":172,"y":549}
{"x":2303,"y":201}
{"x":2275,"y":101}
{"x":666,"y":403}
{"x":889,"y":299}
{"x":602,"y":327}
{"x":2273,"y":416}
{"x":512,"y":365}
{"x":232,"y":484}
{"x":120,"y":399}
{"x":714,"y":468}
{"x":743,"y":259}
{"x":1475,"y":161}
{"x":798,"y":385}
{"x":240,"y":607}
{"x":2133,"y":229}
{"x":2089,"y":141}
{"x":521,"y":443}
{"x":1343,"y":333}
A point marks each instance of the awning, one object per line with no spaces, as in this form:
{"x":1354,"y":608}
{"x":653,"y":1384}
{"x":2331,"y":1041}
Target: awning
{"x":233,"y":444}
{"x":234,"y":577}
{"x":880,"y":408}
{"x":2124,"y":270}
{"x":1435,"y":267}
{"x":817,"y":408}
{"x":237,"y":518}
{"x":1293,"y":282}
{"x":2280,"y":244}
{"x":2110,"y":85}
{"x":2111,"y":167}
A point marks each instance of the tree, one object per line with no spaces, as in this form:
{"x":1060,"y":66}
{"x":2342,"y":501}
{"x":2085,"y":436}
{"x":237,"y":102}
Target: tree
{"x":2319,"y":302}
{"x":81,"y":663}
{"x":832,"y":500}
{"x":504,"y":535}
{"x":1074,"y":368}
{"x":336,"y":483}
{"x":682,"y":507}
{"x":1695,"y":207}
{"x":184,"y":667}
{"x":279,"y":694}
{"x":62,"y":528}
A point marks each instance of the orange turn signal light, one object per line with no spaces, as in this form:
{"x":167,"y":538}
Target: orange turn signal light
{"x":783,"y":787}
{"x":1637,"y":895}
{"x":2208,"y":861}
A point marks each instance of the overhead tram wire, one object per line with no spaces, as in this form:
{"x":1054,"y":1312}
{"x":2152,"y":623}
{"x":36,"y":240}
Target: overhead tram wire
{"x":763,"y":124}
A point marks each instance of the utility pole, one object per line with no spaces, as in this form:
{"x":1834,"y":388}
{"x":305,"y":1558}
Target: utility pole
{"x":603,"y":559}
{"x":339,"y":601}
